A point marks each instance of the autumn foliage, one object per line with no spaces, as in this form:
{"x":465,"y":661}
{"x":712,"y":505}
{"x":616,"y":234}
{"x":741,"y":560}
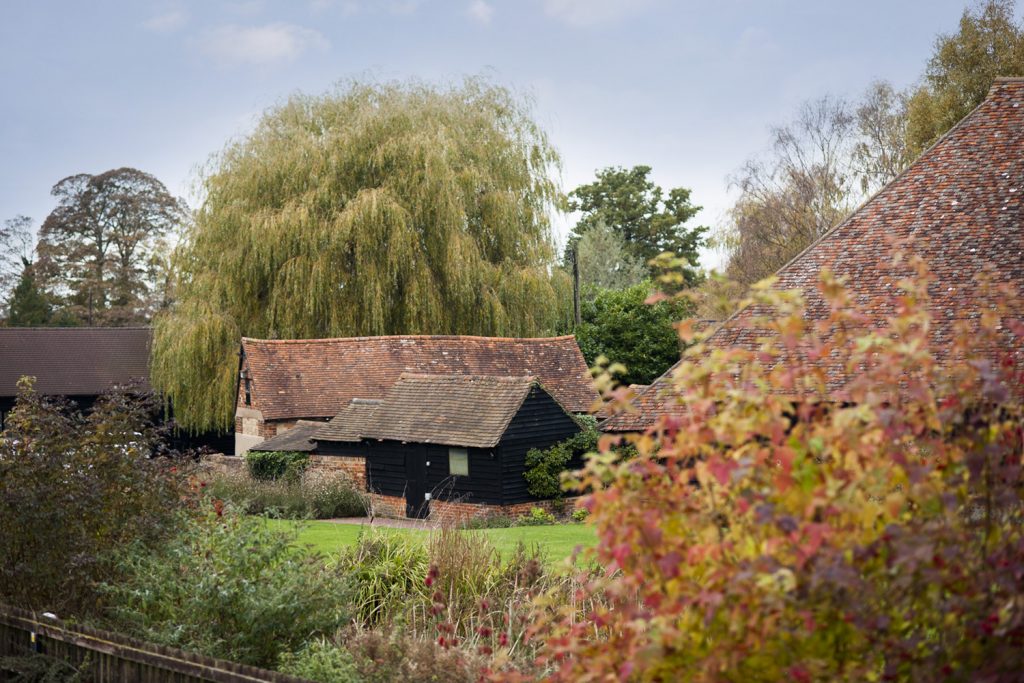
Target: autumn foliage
{"x":785,"y":526}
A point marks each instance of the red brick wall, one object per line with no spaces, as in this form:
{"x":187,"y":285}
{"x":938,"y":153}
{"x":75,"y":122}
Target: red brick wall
{"x":447,"y":512}
{"x":387,"y":506}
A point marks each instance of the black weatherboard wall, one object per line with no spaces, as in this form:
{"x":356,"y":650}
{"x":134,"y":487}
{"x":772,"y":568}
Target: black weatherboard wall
{"x":495,"y":474}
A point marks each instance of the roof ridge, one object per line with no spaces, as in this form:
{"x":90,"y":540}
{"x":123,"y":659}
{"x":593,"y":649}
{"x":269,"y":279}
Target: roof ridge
{"x":407,"y":336}
{"x":505,"y":379}
{"x":71,"y":328}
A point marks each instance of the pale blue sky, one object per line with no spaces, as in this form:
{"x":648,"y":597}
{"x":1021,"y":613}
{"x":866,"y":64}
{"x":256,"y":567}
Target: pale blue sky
{"x":689,"y":88}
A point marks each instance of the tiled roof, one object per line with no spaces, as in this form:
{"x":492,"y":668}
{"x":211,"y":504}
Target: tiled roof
{"x":350,"y":424}
{"x":319,"y":377}
{"x":74,"y":361}
{"x":454,"y":410}
{"x":298,"y":438}
{"x":959,"y":207}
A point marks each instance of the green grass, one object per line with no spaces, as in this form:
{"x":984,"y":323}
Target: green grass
{"x":556,"y":541}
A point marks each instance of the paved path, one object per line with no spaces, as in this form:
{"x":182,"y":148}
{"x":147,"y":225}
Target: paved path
{"x":386,"y":522}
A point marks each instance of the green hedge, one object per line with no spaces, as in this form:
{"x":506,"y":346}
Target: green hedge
{"x":273,"y":465}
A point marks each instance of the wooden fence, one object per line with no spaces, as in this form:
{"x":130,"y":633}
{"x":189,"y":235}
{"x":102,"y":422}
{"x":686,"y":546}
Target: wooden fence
{"x":104,"y":657}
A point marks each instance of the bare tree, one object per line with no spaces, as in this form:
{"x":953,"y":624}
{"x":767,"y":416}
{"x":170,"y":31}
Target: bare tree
{"x":797,"y":193}
{"x":16,"y":249}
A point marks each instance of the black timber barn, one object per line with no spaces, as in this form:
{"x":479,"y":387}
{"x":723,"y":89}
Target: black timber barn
{"x":81,"y":364}
{"x":450,"y":439}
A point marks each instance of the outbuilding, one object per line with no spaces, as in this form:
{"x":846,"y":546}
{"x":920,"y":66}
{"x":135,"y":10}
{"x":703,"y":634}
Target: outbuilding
{"x":450,"y":446}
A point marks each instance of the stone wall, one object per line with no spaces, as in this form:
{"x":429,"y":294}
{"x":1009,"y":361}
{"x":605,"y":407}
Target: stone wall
{"x":319,"y":465}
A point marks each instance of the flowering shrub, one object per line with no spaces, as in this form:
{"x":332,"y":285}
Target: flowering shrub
{"x":774,"y":529}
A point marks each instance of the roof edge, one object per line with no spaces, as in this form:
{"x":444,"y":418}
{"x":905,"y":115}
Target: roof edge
{"x":610,"y":422}
{"x":563,"y":337}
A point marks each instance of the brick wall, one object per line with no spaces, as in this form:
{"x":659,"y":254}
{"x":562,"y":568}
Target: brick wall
{"x":387,"y":506}
{"x":352,"y":467}
{"x":454,"y":512}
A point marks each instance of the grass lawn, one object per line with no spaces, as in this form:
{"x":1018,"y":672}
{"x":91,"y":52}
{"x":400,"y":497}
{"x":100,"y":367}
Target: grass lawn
{"x":556,"y":541}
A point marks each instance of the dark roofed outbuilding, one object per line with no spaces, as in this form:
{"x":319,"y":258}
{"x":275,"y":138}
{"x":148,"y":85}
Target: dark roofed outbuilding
{"x":455,"y":438}
{"x":80,"y":363}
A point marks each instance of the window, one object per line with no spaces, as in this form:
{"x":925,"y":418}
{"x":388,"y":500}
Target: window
{"x":458,"y":462}
{"x":248,"y":390}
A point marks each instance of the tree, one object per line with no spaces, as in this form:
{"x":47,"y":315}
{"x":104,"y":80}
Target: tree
{"x":97,"y":247}
{"x":374,"y":209}
{"x":881,"y":152}
{"x":605,"y":262}
{"x":962,"y":68}
{"x":630,"y":203}
{"x":28,"y":305}
{"x":621,"y":326}
{"x":795,"y":195}
{"x":15,"y":250}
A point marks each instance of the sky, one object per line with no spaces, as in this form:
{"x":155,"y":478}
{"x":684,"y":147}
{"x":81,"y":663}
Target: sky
{"x":689,"y":88}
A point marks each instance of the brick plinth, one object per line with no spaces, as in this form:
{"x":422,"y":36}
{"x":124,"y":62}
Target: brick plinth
{"x":387,"y":506}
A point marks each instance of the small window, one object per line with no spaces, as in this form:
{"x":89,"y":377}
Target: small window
{"x":458,"y":462}
{"x":248,"y":392}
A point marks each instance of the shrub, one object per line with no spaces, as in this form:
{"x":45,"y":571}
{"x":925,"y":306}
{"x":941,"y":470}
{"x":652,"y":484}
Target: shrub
{"x":308,"y":498}
{"x":387,"y":657}
{"x":274,"y":465}
{"x":538,"y":517}
{"x":322,"y":660}
{"x":767,"y":533}
{"x":544,"y":468}
{"x":579,"y":515}
{"x":73,"y":488}
{"x":492,"y":520}
{"x":230,"y":587}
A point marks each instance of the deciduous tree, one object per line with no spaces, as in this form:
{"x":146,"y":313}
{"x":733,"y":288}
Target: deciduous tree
{"x":98,"y":246}
{"x":16,"y":248}
{"x":605,"y":261}
{"x":988,"y":44}
{"x":649,"y":221}
{"x":621,"y":326}
{"x":794,"y":195}
{"x":374,"y":209}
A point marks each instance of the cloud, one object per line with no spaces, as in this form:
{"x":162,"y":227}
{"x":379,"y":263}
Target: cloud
{"x":167,"y":22}
{"x":481,"y":11}
{"x":581,"y":13}
{"x":253,"y":45}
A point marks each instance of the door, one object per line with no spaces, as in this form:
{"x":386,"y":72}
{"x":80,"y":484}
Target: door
{"x":417,"y":505}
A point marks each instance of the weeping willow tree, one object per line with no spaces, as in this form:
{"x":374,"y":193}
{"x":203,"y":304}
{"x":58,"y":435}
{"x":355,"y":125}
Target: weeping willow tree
{"x":396,"y":208}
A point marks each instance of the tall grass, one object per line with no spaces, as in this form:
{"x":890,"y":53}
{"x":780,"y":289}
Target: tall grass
{"x":454,"y":588}
{"x":311,"y":496}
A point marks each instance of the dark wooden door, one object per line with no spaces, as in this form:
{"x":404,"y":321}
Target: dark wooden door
{"x":416,"y":504}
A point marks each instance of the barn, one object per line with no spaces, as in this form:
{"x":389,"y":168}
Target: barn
{"x":284,"y":381}
{"x":450,"y":446}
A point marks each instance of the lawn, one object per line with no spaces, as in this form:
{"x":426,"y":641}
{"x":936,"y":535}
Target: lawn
{"x":556,"y":541}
